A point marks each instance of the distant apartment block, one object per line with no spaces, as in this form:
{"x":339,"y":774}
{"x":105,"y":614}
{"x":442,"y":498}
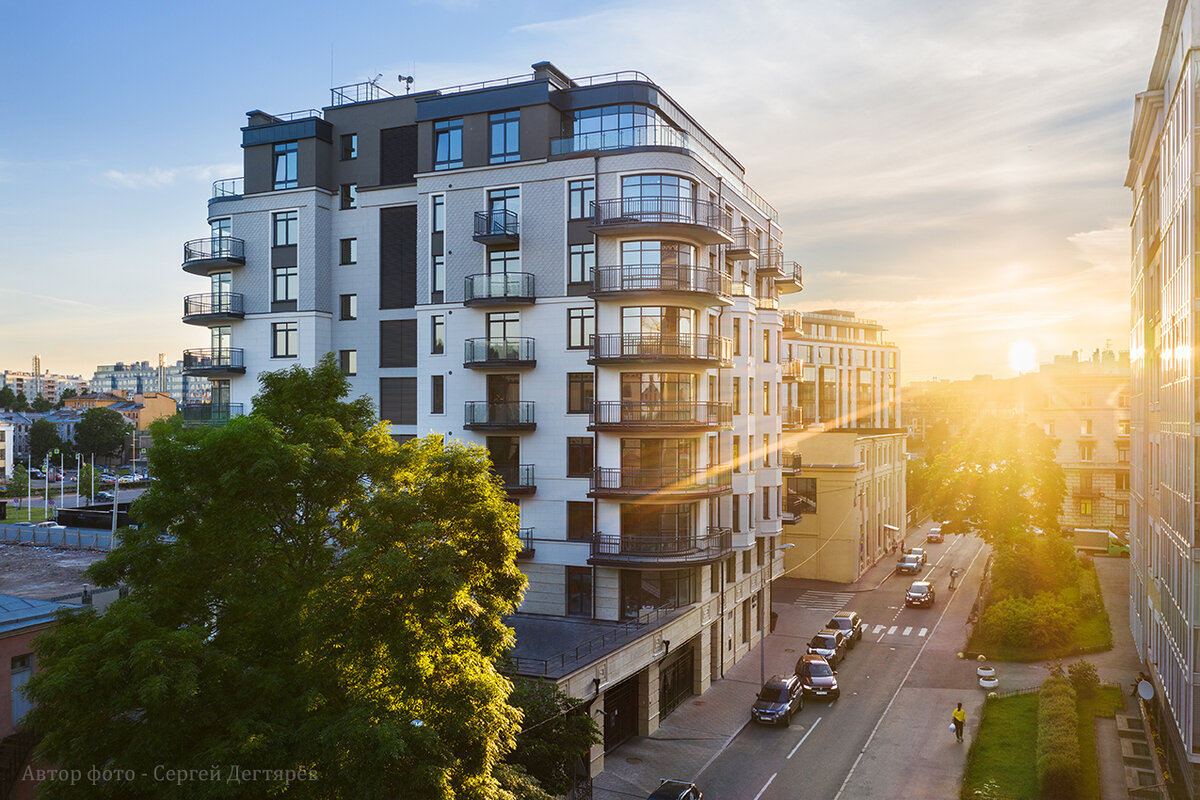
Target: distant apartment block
{"x":43,"y":384}
{"x":7,"y":445}
{"x":141,"y":377}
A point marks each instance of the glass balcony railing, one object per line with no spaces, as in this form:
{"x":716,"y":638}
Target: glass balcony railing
{"x":502,"y":287}
{"x":661,"y":347}
{"x":483,"y":415}
{"x":634,"y":414}
{"x":661,"y":278}
{"x":506,"y":352}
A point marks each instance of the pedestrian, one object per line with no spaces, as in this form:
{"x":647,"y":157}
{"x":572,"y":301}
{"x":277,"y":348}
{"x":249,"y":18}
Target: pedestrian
{"x":1141,"y":677}
{"x":960,"y":719}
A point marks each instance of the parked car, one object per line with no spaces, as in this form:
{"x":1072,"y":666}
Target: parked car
{"x":676,"y":790}
{"x":829,"y":644}
{"x":816,"y":676}
{"x":935,"y":534}
{"x":780,"y":697}
{"x":850,"y":624}
{"x":36,"y":474}
{"x":909,"y":563}
{"x":921,"y":593}
{"x":103,"y":497}
{"x":920,"y":553}
{"x":50,"y":525}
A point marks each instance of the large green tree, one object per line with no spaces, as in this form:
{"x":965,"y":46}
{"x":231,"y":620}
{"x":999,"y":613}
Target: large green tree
{"x":20,"y":402}
{"x":556,"y":731}
{"x":305,"y":595}
{"x":8,"y":398}
{"x":43,"y":439}
{"x":40,"y":405}
{"x":102,"y":432}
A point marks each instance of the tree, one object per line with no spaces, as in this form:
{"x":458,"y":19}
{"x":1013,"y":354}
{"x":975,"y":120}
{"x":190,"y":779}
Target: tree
{"x":87,"y":478}
{"x":304,"y":595}
{"x":66,"y":395}
{"x":101,"y":431}
{"x":21,"y":403}
{"x":43,"y":438}
{"x":7,"y":398}
{"x":19,"y":485}
{"x":555,"y":732}
{"x":40,"y":405}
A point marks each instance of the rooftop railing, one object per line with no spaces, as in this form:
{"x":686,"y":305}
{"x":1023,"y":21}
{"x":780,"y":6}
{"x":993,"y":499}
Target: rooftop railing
{"x":363,"y":92}
{"x":228,"y":188}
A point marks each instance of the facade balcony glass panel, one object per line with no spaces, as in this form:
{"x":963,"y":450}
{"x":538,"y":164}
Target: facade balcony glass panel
{"x":209,"y":413}
{"x":484,"y":416}
{"x":662,"y":278}
{"x":766,"y":303}
{"x":517,"y":478}
{"x":500,"y":352}
{"x":201,"y":256}
{"x":743,"y":246}
{"x":793,"y":324}
{"x":793,"y":370}
{"x":678,"y":483}
{"x":205,"y":309}
{"x":498,"y":226}
{"x":211,"y":362}
{"x":652,"y":135}
{"x":632,"y":415}
{"x":677,"y":348}
{"x":670,"y":217}
{"x":791,"y":461}
{"x":792,"y":417}
{"x":498,"y":288}
{"x":667,"y":549}
{"x":227,"y":189}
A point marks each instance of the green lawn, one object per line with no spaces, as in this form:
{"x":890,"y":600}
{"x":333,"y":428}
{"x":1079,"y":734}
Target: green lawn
{"x":1005,"y":749}
{"x":1106,"y":702}
{"x":11,"y":516}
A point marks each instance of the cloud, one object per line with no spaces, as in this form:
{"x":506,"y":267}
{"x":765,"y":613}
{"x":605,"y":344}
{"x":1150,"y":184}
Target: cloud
{"x":160,"y":177}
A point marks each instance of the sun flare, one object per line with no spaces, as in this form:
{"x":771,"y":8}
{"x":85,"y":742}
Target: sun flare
{"x":1022,"y":357}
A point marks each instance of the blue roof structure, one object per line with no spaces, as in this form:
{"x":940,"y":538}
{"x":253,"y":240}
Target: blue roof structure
{"x":23,"y":612}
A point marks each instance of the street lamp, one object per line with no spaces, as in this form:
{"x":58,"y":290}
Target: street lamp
{"x":762,"y":649}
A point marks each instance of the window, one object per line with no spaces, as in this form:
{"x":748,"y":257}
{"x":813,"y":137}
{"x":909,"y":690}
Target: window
{"x":1123,"y":400}
{"x":731,"y":562}
{"x":349,"y":306}
{"x":503,"y":325}
{"x":437,"y":334}
{"x":580,"y":391}
{"x":737,"y":337}
{"x":447,"y":144}
{"x":437,"y":278}
{"x":439,"y":213}
{"x":349,"y":146}
{"x":284,"y":340}
{"x":1085,"y":400}
{"x":1122,"y":427}
{"x":437,"y":394}
{"x":581,"y":327}
{"x":579,"y":456}
{"x":286,"y":225}
{"x":286,"y":175}
{"x":766,"y":405}
{"x":1122,"y":454}
{"x":582,"y":262}
{"x":737,"y":517}
{"x":1085,"y":427}
{"x":286,"y":283}
{"x":579,"y":591}
{"x":348,"y":359}
{"x":1085,"y":507}
{"x":1121,"y":509}
{"x":505,"y":128}
{"x":579,"y":520}
{"x":737,"y":395}
{"x":737,"y":453}
{"x":580,"y":196}
{"x":1086,"y":451}
{"x":766,"y":348}
{"x":349,"y":195}
{"x":1050,"y":429}
{"x":349,"y":251}
{"x":1122,"y":484}
{"x":766,"y":452}
{"x":802,"y":495}
{"x":745,"y":562}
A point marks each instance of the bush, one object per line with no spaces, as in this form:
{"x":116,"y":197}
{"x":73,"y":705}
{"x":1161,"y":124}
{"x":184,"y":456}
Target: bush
{"x":1058,"y":757}
{"x":1084,"y":677}
{"x":1050,"y":620}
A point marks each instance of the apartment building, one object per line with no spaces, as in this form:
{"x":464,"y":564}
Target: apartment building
{"x":1163,"y":389}
{"x":41,"y":383}
{"x":572,"y":274}
{"x":8,"y":443}
{"x":844,"y":447}
{"x":141,"y":377}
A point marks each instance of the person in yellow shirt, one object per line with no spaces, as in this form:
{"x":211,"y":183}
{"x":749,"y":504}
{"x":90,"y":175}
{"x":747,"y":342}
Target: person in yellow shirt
{"x":960,"y":719}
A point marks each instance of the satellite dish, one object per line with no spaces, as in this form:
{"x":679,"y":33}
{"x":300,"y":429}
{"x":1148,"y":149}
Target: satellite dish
{"x":1145,"y":690}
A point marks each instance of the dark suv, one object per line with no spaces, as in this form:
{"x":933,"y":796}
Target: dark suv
{"x":817,"y":677}
{"x":831,"y":644}
{"x":850,"y":624}
{"x":676,"y":790}
{"x":781,"y":697}
{"x":919,"y":594}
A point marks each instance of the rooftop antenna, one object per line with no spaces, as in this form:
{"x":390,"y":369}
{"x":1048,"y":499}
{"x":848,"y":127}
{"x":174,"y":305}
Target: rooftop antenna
{"x":375,"y":81}
{"x":407,"y":80}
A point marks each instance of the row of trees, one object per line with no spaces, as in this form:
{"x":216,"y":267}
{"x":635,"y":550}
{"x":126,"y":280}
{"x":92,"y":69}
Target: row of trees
{"x":17,"y":401}
{"x":306,"y":595}
{"x":102,"y":432}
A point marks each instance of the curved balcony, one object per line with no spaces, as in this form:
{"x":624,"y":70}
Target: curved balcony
{"x":744,"y":245}
{"x":213,"y":363}
{"x":766,"y":303}
{"x":195,"y":414}
{"x":638,"y":415}
{"x":791,"y":279}
{"x":667,"y":549}
{"x":683,"y":279}
{"x":682,"y":484}
{"x":207,"y":309}
{"x":668,"y":217}
{"x":202,"y":256}
{"x":769,"y":527}
{"x":498,"y":289}
{"x":484,"y":352}
{"x":228,"y":189}
{"x":663,"y":348}
{"x":480,"y":415}
{"x":498,"y":226}
{"x":517,"y":478}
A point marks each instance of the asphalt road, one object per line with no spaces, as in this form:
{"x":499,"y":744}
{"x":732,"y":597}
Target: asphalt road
{"x":816,"y":756}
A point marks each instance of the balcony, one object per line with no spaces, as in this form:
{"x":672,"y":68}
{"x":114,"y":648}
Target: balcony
{"x":658,"y":279}
{"x":637,"y":415}
{"x":667,"y":549}
{"x":227,"y":189}
{"x":517,"y":478}
{"x":766,"y":303}
{"x":769,"y":527}
{"x":208,"y":309}
{"x":620,"y":139}
{"x":480,"y":415}
{"x":793,"y":323}
{"x":497,"y":227}
{"x":202,"y":256}
{"x":744,"y":245}
{"x":484,"y":352}
{"x":526,"y":536}
{"x":669,"y":217}
{"x":793,"y":370}
{"x":498,"y":289}
{"x":792,"y":417}
{"x":791,"y":461}
{"x":681,"y":484}
{"x":662,"y":348}
{"x":216,"y":414}
{"x":214,"y":363}
{"x":790,"y":278}
{"x":770,"y":264}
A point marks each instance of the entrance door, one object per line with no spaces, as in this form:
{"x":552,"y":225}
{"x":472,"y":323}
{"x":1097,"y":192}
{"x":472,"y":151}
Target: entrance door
{"x":620,"y":713}
{"x":675,"y":682}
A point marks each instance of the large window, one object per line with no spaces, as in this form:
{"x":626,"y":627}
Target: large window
{"x":349,"y":248}
{"x":580,"y":456}
{"x":437,"y":394}
{"x":349,"y":146}
{"x":626,"y":125}
{"x":349,"y":306}
{"x":580,"y":392}
{"x":503,"y":262}
{"x":579,"y":591}
{"x":503,"y":325}
{"x":286,"y":284}
{"x":439,"y":213}
{"x":582,"y":260}
{"x":437,"y":334}
{"x":579,"y":520}
{"x":349,"y":195}
{"x":287,"y":224}
{"x":505,"y":128}
{"x":642,"y":590}
{"x":657,"y":319}
{"x":667,"y":196}
{"x":447,"y":144}
{"x":285,"y":340}
{"x":581,"y":327}
{"x":658,"y":387}
{"x":580,"y":196}
{"x":286,"y":174}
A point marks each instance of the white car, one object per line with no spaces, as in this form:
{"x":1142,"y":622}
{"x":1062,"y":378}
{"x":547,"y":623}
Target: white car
{"x":49,"y":525}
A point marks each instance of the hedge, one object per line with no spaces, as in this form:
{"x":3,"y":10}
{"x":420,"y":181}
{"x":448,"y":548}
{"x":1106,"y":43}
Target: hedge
{"x":1058,"y":757}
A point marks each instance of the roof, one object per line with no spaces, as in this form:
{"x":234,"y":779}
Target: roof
{"x":17,"y":613}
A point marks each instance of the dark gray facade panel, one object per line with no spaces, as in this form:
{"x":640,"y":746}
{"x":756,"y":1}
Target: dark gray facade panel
{"x":284,"y":256}
{"x":482,"y":101}
{"x":258,"y":169}
{"x":313,"y":128}
{"x":398,"y":257}
{"x":475,"y":140}
{"x":539,"y":124}
{"x":398,"y":343}
{"x":398,"y":400}
{"x":577,"y":230}
{"x":398,"y":155}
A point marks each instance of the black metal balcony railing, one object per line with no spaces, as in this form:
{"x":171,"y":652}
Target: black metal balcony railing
{"x":714,"y":544}
{"x":222,"y":304}
{"x":792,"y":417}
{"x":621,"y":481}
{"x":479,"y":415}
{"x":514,"y":352}
{"x":214,"y":248}
{"x":517,"y":478}
{"x":209,"y":413}
{"x":209,"y":360}
{"x":661,"y":211}
{"x":497,"y":225}
{"x":791,"y":461}
{"x":790,"y":278}
{"x":659,"y":414}
{"x":662,"y":278}
{"x":661,"y":346}
{"x":526,"y":537}
{"x":511,"y":287}
{"x":744,"y":245}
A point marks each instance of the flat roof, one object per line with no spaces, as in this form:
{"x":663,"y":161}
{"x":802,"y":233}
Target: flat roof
{"x":24,"y":612}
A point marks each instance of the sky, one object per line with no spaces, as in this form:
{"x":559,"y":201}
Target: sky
{"x":950,"y":168}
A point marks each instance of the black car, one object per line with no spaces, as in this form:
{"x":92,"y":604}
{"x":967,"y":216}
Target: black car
{"x":817,"y":677}
{"x":850,"y":624}
{"x":830,"y":644}
{"x":920,"y":594}
{"x":780,"y":697}
{"x":103,"y":497}
{"x":676,"y":790}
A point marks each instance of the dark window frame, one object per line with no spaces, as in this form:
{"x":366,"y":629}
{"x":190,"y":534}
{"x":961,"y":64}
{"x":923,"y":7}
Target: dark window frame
{"x":580,"y":196}
{"x":508,"y":125}
{"x":581,"y":326}
{"x":285,"y":284}
{"x":447,"y":132}
{"x":349,"y":143}
{"x":437,"y":334}
{"x":287,"y":222}
{"x":286,"y":334}
{"x":437,"y":394}
{"x":348,"y":251}
{"x":581,"y":392}
{"x":286,"y":154}
{"x":581,"y":456}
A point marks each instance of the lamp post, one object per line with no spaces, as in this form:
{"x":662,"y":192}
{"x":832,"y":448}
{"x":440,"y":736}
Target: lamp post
{"x":762,"y":649}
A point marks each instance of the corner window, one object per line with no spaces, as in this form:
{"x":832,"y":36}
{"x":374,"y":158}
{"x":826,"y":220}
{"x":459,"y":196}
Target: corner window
{"x":437,"y":334}
{"x":349,"y":306}
{"x":285,"y":340}
{"x":581,"y":327}
{"x":348,"y":360}
{"x":437,"y":394}
{"x":505,"y":127}
{"x":286,"y":284}
{"x":447,"y":144}
{"x":286,"y":174}
{"x":582,"y":262}
{"x":349,"y":251}
{"x":439,"y":213}
{"x":349,"y":146}
{"x":286,"y":225}
{"x":580,"y":196}
{"x":349,"y":195}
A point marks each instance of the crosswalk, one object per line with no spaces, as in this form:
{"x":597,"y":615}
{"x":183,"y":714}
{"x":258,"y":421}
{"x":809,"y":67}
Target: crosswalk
{"x":824,"y":601}
{"x":908,"y":629}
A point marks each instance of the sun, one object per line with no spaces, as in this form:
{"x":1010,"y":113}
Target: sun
{"x":1022,"y":357}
